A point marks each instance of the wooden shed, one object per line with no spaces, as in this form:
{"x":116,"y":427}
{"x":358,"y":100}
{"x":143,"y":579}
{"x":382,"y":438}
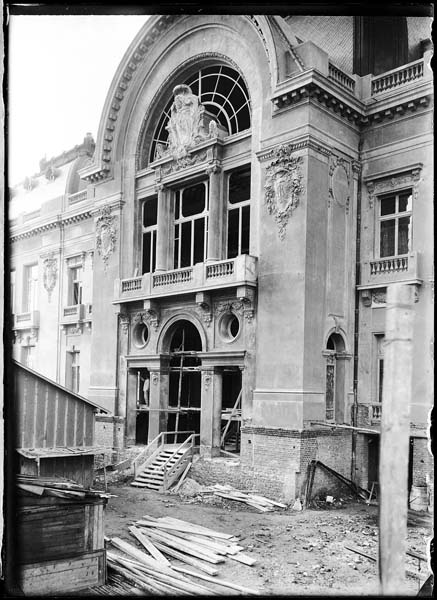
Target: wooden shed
{"x":54,"y":428}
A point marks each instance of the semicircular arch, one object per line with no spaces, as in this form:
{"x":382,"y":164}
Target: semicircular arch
{"x":169,"y":328}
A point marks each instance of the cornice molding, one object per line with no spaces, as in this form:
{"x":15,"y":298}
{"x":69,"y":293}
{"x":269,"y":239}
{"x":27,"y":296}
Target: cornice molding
{"x":310,"y":143}
{"x":360,"y":116}
{"x":60,"y":221}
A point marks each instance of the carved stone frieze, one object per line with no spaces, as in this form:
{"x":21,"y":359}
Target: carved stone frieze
{"x":50,"y":274}
{"x":106,"y":234}
{"x":389,"y":184}
{"x":235,"y":306}
{"x":184,"y":162}
{"x":283,"y":186}
{"x":148,"y":316}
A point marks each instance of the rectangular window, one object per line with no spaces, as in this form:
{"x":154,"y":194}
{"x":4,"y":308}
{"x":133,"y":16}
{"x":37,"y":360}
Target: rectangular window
{"x":75,"y":286}
{"x":379,"y":366}
{"x":238,"y":212}
{"x":191,"y":223}
{"x":30,"y":296}
{"x":73,"y":371}
{"x":395,"y":224}
{"x":149,"y":228}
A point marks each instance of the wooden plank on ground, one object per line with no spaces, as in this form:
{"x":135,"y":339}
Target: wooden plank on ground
{"x":149,"y":546}
{"x":186,"y":547}
{"x":200,"y":529}
{"x":222,"y":582}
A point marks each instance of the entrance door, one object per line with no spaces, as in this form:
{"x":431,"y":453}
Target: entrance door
{"x":184,"y":399}
{"x":231,"y":418}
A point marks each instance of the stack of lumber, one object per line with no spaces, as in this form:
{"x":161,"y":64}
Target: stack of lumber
{"x":59,"y":487}
{"x":165,"y":539}
{"x":259,"y":502}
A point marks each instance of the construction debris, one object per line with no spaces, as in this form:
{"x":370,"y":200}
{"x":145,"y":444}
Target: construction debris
{"x":59,"y":487}
{"x":192,"y":489}
{"x":150,"y":569}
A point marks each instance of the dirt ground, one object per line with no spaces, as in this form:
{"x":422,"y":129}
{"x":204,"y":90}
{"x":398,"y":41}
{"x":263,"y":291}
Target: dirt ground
{"x":297,"y":552}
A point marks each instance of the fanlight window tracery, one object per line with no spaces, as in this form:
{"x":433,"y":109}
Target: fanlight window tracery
{"x":223,"y":92}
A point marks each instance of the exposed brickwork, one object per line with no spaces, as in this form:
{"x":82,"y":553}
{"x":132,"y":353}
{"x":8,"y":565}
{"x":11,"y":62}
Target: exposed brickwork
{"x":422,"y":462}
{"x":109,"y":432}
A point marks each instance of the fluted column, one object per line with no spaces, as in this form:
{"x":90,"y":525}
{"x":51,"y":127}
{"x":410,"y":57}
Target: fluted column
{"x":215,"y":223}
{"x":162,"y":237}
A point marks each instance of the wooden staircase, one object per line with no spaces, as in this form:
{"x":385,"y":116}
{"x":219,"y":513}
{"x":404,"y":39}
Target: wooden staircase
{"x":162,"y":464}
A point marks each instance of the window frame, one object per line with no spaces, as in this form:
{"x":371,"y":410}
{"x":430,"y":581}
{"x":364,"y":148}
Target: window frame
{"x":30,"y":288}
{"x":237,"y":206}
{"x":73,"y":282}
{"x":178,"y":221}
{"x":396,"y":216}
{"x":153,"y":230}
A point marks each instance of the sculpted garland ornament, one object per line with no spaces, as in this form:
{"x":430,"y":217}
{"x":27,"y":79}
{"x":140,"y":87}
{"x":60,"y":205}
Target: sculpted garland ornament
{"x":50,"y":274}
{"x":106,"y":234}
{"x":283,"y":187}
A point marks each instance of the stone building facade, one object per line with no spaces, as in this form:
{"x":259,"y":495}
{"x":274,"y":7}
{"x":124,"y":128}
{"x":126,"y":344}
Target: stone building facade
{"x":256,"y":183}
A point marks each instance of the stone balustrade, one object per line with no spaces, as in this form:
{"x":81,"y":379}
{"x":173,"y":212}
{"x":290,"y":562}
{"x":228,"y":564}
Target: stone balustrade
{"x":26,"y":320}
{"x":77,"y":197}
{"x":340,"y":77}
{"x":397,"y":77}
{"x":390,"y":270}
{"x":202,"y":276}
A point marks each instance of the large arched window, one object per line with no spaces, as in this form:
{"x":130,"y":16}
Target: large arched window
{"x":224,"y":94}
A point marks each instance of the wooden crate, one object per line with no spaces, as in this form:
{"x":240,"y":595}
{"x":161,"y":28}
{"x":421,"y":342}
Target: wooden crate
{"x":63,"y":574}
{"x":60,"y":544}
{"x":55,"y":528}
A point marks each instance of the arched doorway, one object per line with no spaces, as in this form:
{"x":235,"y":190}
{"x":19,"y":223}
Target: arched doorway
{"x":335,"y":378}
{"x":184,"y":395}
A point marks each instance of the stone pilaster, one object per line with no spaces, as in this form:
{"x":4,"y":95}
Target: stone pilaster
{"x":162,"y":237}
{"x":215,"y":223}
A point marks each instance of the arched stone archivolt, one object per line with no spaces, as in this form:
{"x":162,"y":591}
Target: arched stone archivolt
{"x":129,"y":96}
{"x":164,"y":93}
{"x":170,"y":326}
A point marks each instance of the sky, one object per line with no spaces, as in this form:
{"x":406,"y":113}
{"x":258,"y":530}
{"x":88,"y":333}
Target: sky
{"x":59,"y":72}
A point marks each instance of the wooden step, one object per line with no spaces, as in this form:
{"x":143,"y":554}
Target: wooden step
{"x":154,"y":476}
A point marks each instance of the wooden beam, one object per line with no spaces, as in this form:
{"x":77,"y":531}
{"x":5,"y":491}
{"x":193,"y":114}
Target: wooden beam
{"x":395,"y":429}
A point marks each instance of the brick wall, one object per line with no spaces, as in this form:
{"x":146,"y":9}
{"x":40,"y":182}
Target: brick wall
{"x":109,"y":431}
{"x":422,"y":462}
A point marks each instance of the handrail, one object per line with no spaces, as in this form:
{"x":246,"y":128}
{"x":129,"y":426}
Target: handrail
{"x":152,"y":446}
{"x":189,"y":443}
{"x":146,"y":451}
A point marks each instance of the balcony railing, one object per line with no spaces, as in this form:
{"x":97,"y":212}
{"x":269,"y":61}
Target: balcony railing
{"x":393,"y":79}
{"x":173,"y":277}
{"x":77,"y":197}
{"x":226,"y":273}
{"x":389,"y":265}
{"x":73,"y":314}
{"x":131,"y":285}
{"x":340,"y":77}
{"x":221,"y":269}
{"x":26,"y":320}
{"x":390,"y":270}
{"x":375,"y":413}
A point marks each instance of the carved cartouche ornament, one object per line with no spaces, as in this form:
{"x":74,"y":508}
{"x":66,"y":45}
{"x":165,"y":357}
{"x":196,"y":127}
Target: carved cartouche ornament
{"x":283,"y":187}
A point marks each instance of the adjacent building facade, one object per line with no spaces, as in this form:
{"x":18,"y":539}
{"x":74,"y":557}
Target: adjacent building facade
{"x":223,"y":252}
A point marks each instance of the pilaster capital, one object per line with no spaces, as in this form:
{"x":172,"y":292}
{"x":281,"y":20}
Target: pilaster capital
{"x":213,"y":169}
